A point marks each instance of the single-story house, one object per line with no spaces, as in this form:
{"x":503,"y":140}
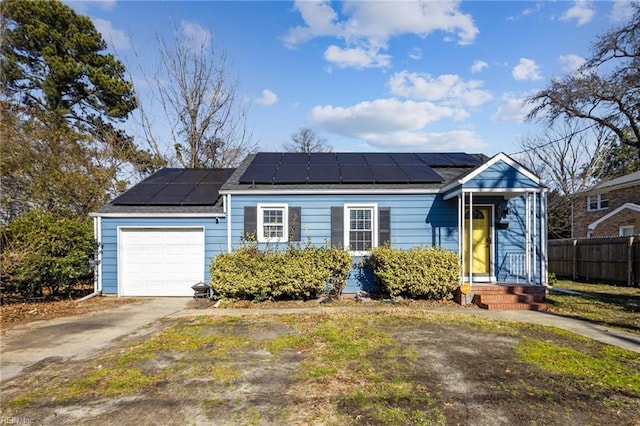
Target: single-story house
{"x":159,"y":237}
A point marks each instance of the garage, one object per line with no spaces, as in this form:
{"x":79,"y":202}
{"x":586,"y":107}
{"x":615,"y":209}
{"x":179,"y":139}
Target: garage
{"x":160,"y":261}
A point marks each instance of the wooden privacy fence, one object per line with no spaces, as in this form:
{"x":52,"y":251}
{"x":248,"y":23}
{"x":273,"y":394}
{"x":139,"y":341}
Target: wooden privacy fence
{"x":615,"y":259}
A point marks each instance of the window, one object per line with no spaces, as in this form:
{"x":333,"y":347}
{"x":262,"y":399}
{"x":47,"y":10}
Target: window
{"x":360,"y":228}
{"x":272,"y":220}
{"x":597,"y":202}
{"x":626,"y":230}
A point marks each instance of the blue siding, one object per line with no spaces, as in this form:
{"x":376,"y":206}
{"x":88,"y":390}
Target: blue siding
{"x":416,"y":220}
{"x":215,"y":237}
{"x":501,"y":176}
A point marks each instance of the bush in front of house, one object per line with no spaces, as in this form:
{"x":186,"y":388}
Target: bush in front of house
{"x":293,"y":274}
{"x":43,"y":252}
{"x":420,"y":272}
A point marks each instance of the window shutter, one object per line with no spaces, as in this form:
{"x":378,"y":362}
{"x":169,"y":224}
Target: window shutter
{"x":337,"y":227}
{"x":250,"y":222}
{"x":295,"y":223}
{"x":384,"y":225}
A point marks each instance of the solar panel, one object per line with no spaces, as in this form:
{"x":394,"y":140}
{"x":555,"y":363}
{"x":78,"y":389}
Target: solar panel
{"x":219,"y":176}
{"x":164,"y":176}
{"x":356,"y":174}
{"x":325,"y":173}
{"x":377,"y":158}
{"x":406,"y":158}
{"x":257,"y":173}
{"x":295,"y":158}
{"x":202,"y":194}
{"x":435,"y":159}
{"x":389,"y":174}
{"x":172,"y":194}
{"x":139,"y":194}
{"x":191,"y":176}
{"x":350,"y":158}
{"x":291,"y":174}
{"x":462,"y":159}
{"x":267,"y":158}
{"x":421,"y":174}
{"x":322,"y":158}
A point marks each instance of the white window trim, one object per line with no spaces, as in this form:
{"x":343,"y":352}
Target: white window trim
{"x":598,"y":199}
{"x":374,"y":230}
{"x":623,"y":228}
{"x":260,"y":223}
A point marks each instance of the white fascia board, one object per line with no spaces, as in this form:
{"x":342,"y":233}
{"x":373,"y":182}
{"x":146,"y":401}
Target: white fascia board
{"x":331,"y":191}
{"x":630,"y":206}
{"x":140,"y":215}
{"x":493,"y":160}
{"x":502,"y":191}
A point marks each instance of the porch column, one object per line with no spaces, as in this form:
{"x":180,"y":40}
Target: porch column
{"x":527,"y":237}
{"x":535,"y":235}
{"x":470,"y":246}
{"x":543,"y":238}
{"x":461,"y":234}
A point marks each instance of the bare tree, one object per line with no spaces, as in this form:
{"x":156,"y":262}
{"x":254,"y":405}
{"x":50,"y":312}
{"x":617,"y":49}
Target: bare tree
{"x":306,"y":140}
{"x":605,"y":90}
{"x":201,"y":110}
{"x":568,"y":160}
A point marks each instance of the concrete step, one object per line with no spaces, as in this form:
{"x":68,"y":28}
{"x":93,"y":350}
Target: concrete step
{"x":513,"y":306}
{"x":510,"y":298}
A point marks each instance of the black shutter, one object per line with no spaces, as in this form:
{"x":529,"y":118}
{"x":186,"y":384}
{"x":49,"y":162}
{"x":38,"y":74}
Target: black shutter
{"x":337,"y":227}
{"x":384,"y":225}
{"x":250,"y":223}
{"x":295,"y":223}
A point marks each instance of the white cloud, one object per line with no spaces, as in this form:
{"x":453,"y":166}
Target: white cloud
{"x":267,"y":98}
{"x":571,"y":63}
{"x":457,"y":140}
{"x":513,"y":108}
{"x":478,"y":66}
{"x":368,"y":25}
{"x":581,"y":11}
{"x":115,"y":37}
{"x":356,"y":58}
{"x":622,"y":10}
{"x":379,"y":116}
{"x":196,"y":33}
{"x":527,"y":69}
{"x":449,"y":89}
{"x":415,"y":54}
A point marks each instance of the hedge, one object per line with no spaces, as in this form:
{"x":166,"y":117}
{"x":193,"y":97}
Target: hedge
{"x":420,"y":272}
{"x":295,"y":273}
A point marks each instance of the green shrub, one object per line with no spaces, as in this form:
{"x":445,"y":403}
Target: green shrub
{"x":296,"y":273}
{"x":427,"y":273}
{"x":41,"y":251}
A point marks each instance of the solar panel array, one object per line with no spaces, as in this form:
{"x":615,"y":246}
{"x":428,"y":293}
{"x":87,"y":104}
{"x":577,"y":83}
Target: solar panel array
{"x":351,"y":167}
{"x":177,"y":187}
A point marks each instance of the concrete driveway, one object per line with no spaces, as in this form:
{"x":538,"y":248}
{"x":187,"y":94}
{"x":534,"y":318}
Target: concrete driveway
{"x":27,"y":347}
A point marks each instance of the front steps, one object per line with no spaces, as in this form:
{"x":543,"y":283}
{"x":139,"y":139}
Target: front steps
{"x":505,"y":296}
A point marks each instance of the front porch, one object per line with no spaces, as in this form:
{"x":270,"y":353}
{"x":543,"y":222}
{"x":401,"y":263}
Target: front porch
{"x":504,"y":296}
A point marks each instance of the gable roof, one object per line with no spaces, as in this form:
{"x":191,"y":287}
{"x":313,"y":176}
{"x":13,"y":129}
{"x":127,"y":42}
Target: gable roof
{"x":629,"y":206}
{"x":349,"y":172}
{"x":172,"y":190}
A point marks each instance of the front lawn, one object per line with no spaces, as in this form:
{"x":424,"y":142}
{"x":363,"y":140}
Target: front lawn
{"x":384,"y":368}
{"x":608,"y":305}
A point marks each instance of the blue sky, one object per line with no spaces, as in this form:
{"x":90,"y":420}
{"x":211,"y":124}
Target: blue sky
{"x":374,"y":75}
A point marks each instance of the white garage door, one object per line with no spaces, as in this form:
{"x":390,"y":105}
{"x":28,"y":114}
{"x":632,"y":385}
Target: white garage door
{"x":160,"y":261}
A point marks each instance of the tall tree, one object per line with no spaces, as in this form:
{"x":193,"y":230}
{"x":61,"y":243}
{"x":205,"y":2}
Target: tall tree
{"x":62,"y":99}
{"x":306,"y":140}
{"x":568,"y":160}
{"x":201,"y":110}
{"x":618,"y":160}
{"x":605,"y":91}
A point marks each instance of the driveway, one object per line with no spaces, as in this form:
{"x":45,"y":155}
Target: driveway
{"x":29,"y":346}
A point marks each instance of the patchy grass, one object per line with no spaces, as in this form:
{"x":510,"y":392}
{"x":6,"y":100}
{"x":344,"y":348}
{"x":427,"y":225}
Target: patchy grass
{"x":391,"y":368}
{"x":608,"y":305}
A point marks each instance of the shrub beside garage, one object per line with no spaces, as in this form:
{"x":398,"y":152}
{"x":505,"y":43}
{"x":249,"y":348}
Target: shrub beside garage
{"x":297,"y":273}
{"x":417,"y":273}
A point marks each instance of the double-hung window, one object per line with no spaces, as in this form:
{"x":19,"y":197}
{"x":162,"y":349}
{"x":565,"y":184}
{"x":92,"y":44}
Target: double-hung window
{"x":360,"y":228}
{"x":272,"y":223}
{"x":597,"y":202}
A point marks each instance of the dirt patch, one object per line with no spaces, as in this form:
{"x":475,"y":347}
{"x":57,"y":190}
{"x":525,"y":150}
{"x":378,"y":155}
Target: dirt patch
{"x":356,"y":368}
{"x":21,"y":313}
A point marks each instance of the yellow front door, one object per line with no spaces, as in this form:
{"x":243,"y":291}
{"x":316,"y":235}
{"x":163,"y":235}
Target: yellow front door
{"x":481,"y":241}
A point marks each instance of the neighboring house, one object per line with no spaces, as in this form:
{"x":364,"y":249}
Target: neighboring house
{"x":610,"y":208}
{"x":156,"y":240}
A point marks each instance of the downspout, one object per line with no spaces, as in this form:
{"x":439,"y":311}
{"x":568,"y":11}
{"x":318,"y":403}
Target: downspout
{"x":470,"y":246}
{"x":97,"y":274}
{"x":536,"y":216}
{"x":228,"y":211}
{"x":544,"y":239}
{"x":461,"y":234}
